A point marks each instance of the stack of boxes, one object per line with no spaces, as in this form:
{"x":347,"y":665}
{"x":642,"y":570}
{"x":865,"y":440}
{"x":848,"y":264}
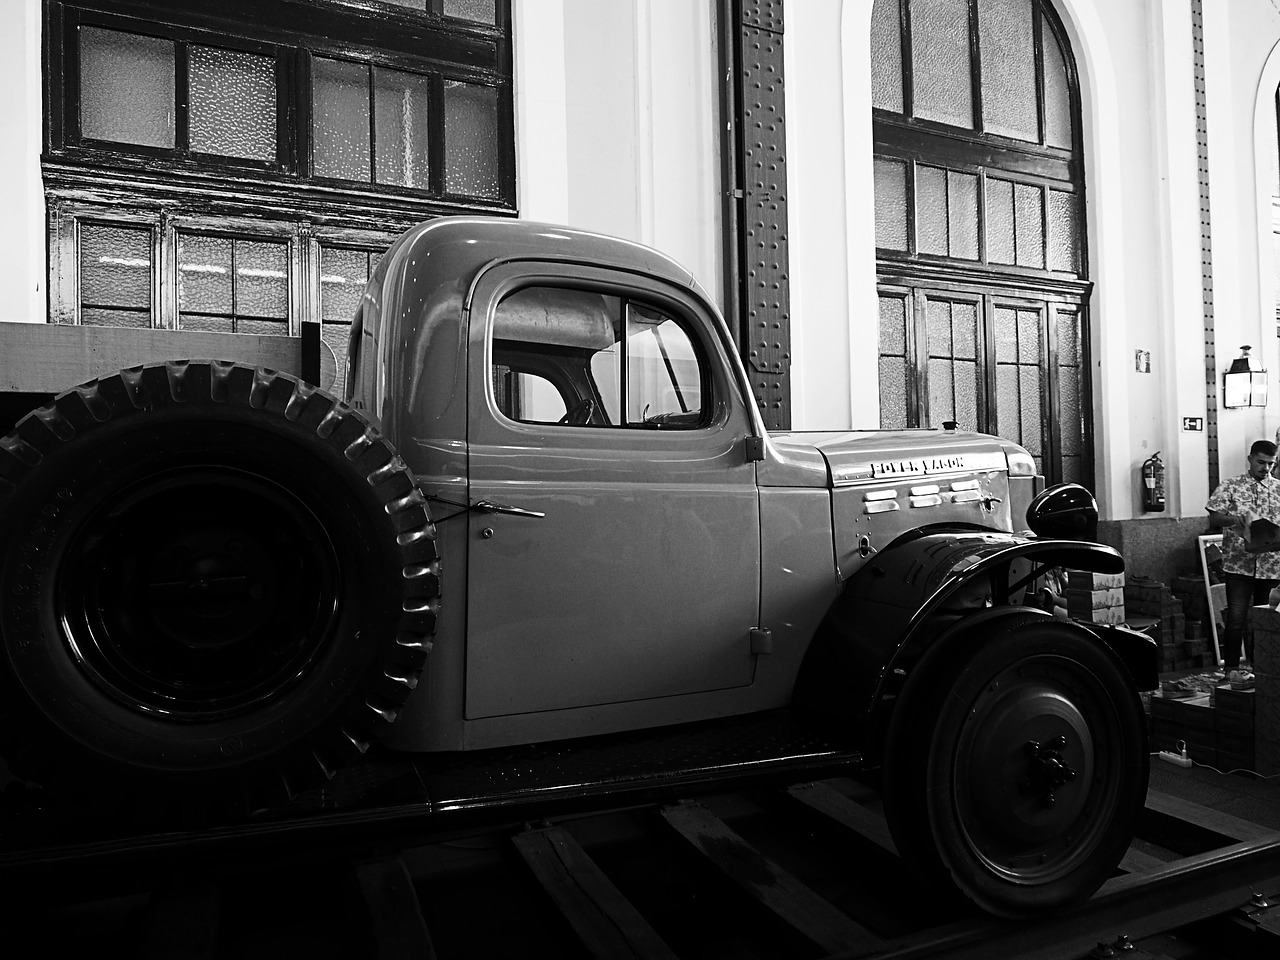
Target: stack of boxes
{"x":1096,"y":597}
{"x":1234,"y":728}
{"x":1154,"y":600}
{"x":1195,"y":604}
{"x":1265,"y":696}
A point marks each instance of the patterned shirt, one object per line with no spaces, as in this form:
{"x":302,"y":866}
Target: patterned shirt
{"x":1239,"y":495}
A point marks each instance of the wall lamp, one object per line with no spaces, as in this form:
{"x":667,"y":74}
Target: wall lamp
{"x":1242,"y":385}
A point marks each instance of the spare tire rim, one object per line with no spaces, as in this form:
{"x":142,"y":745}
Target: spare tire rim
{"x":199,"y":593}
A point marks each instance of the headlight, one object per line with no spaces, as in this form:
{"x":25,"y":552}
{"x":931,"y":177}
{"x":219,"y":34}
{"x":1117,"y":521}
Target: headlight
{"x":1066,"y":511}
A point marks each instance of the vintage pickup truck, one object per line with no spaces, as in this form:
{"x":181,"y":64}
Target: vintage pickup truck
{"x":543,"y":505}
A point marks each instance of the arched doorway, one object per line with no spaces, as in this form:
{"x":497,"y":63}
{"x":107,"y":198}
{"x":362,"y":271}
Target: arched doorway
{"x":979,"y":225}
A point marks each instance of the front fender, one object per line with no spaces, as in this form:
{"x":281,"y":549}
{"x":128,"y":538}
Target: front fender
{"x":1138,"y":652}
{"x":916,"y":593}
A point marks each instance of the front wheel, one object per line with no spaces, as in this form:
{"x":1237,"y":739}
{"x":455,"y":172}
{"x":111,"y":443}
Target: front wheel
{"x":1016,"y":766}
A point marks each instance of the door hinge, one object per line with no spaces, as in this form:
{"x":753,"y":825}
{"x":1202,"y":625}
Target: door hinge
{"x":755,"y":449}
{"x":761,"y":640}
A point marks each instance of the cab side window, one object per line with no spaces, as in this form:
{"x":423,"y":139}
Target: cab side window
{"x":583,"y":358}
{"x":664,"y":378}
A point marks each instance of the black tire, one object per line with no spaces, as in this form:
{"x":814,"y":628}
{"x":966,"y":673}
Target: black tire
{"x":1016,"y":766}
{"x":211,"y":574}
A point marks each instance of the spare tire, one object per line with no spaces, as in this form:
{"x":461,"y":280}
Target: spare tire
{"x":210,"y":575}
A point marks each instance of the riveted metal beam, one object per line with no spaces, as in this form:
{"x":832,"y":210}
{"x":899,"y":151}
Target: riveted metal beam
{"x":759,"y":204}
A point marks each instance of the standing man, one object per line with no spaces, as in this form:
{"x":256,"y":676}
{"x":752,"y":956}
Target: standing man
{"x":1236,"y":503}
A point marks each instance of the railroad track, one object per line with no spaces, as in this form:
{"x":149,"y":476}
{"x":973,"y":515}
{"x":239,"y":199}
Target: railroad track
{"x":778,"y":868}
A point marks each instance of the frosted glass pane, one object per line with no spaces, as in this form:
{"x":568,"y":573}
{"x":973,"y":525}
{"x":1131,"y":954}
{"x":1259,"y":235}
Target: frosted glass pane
{"x":931,"y":209}
{"x":893,"y":326}
{"x":201,"y":324}
{"x":942,"y":404}
{"x":472,"y":161}
{"x":1007,"y":48}
{"x":126,"y":88}
{"x":999,"y":225}
{"x":964,"y":330}
{"x":233,"y":103}
{"x":962,"y":214}
{"x":1068,"y":339}
{"x":940,"y":61}
{"x":102,"y":317}
{"x":115,"y":266}
{"x":1028,"y":206}
{"x":891,"y":204}
{"x":886,"y":56}
{"x":340,"y":119}
{"x":1070,"y":385}
{"x":893,"y":393}
{"x":1028,"y":336}
{"x":966,"y":394}
{"x":1069,"y":412}
{"x":1062,"y":231}
{"x":1057,"y":101}
{"x":343,"y":276}
{"x":263,"y":328}
{"x":938,"y":325}
{"x":1029,"y":399}
{"x":401,"y":117}
{"x":1006,"y":334}
{"x":1008,"y":419}
{"x":262,"y":279}
{"x":479,"y":11}
{"x":204,"y":275}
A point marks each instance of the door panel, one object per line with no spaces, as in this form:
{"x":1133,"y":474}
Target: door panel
{"x":642,"y":580}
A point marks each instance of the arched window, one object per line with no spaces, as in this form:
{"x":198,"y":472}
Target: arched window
{"x":979,"y":225}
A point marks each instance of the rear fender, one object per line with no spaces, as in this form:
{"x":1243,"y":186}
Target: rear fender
{"x":920,"y":593}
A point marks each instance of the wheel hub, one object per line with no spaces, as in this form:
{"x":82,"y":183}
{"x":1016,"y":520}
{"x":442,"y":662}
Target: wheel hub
{"x":1030,"y":759}
{"x":1047,"y":769}
{"x":199,"y":592}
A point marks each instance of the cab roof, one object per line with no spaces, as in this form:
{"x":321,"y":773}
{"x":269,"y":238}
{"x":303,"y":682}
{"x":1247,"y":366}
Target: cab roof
{"x":464,"y":245}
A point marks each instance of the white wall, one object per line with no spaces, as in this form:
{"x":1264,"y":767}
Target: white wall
{"x":831,"y":216}
{"x":22,"y":247}
{"x":1241,"y":39}
{"x":616,"y":122}
{"x":1178,"y":300}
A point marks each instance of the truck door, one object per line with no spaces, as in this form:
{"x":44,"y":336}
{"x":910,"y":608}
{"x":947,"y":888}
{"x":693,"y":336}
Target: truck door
{"x":604,"y":402}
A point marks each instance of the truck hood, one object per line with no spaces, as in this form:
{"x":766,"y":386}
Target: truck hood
{"x":886,"y":484}
{"x":857,"y":456}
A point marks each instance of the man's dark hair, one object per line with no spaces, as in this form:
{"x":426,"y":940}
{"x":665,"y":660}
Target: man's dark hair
{"x":1264,"y":447}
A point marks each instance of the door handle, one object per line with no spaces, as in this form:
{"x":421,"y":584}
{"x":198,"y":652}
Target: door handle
{"x":488,"y":506}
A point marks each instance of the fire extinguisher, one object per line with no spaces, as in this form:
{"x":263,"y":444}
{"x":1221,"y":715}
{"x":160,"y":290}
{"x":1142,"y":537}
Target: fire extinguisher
{"x":1153,"y":484}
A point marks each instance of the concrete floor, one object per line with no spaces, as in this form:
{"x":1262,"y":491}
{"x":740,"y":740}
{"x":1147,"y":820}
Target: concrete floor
{"x":1250,"y":798}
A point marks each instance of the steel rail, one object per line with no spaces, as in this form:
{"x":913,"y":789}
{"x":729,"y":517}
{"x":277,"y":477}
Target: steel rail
{"x":1134,"y":906}
{"x":321,"y":834}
